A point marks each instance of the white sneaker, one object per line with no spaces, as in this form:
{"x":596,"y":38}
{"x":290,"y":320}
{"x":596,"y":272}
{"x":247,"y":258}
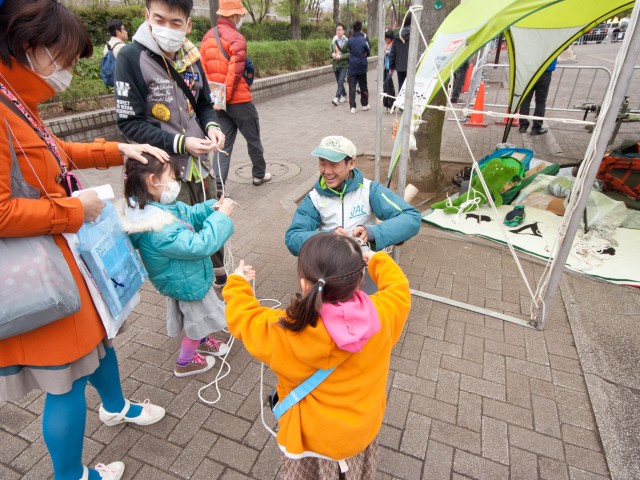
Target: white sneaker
{"x":343,"y":99}
{"x":365,"y":108}
{"x":150,"y":414}
{"x":259,"y":181}
{"x":113,"y":471}
{"x":353,"y":110}
{"x":335,"y":101}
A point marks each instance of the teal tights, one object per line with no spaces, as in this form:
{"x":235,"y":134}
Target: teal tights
{"x":63,"y":421}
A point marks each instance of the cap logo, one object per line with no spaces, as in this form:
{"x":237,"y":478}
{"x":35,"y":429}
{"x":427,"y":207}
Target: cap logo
{"x":332,"y":142}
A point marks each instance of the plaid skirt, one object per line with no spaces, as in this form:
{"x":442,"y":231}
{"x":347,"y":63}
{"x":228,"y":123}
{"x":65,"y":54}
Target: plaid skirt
{"x":361,"y":467}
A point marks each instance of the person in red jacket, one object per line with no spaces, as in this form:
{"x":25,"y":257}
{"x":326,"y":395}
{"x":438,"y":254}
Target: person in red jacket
{"x":227,"y":67}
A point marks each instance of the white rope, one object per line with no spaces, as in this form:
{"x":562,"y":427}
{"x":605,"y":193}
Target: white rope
{"x":475,"y":168}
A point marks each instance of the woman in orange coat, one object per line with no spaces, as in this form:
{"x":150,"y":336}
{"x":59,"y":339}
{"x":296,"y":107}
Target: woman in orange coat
{"x":40,"y":42}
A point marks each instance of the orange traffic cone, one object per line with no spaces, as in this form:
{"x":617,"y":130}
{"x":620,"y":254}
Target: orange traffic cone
{"x":477,"y":119}
{"x":467,"y":78}
{"x":505,"y":120}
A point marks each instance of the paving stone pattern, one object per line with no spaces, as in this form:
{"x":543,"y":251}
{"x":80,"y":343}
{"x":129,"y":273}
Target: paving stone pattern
{"x":469,"y":396}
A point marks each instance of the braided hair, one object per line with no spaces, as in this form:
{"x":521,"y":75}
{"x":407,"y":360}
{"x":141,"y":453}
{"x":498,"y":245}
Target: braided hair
{"x":334,"y":266}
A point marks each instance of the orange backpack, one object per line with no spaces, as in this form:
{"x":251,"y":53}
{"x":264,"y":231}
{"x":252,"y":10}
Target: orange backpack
{"x":620,"y":170}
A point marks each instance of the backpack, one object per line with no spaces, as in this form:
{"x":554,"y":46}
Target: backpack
{"x":249,"y":67}
{"x":108,"y":66}
{"x":620,"y":170}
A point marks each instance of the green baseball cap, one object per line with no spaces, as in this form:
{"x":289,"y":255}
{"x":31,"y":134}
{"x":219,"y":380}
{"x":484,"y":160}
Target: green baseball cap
{"x":335,"y":149}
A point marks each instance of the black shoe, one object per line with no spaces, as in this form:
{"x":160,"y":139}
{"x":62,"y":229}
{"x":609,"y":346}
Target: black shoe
{"x":539,"y":131}
{"x":523,"y":128}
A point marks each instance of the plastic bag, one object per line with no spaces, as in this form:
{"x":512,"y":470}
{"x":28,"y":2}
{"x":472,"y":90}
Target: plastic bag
{"x":560,"y":187}
{"x":602,"y":210}
{"x":115,"y":270}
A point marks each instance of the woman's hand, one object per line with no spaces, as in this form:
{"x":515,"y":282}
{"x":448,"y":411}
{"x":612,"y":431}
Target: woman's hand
{"x":245,"y":271}
{"x":366,"y":256}
{"x":134,"y":151}
{"x":91,"y":205}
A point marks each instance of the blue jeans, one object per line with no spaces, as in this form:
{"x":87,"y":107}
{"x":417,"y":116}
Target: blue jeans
{"x":341,"y":75}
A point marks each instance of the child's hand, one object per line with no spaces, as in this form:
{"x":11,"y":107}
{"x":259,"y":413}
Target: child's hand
{"x":224,"y":205}
{"x":367,"y":256}
{"x":245,"y":271}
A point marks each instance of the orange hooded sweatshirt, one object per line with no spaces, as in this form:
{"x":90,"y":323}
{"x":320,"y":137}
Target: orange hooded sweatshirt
{"x":72,"y":337}
{"x":343,"y":415}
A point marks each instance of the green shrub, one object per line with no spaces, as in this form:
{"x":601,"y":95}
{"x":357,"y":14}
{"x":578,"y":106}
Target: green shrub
{"x":281,"y":31}
{"x":95,"y":15}
{"x":273,"y":58}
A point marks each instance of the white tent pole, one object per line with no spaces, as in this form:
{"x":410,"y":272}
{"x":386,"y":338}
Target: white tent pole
{"x":408,"y":96}
{"x":608,"y":123}
{"x":378,"y":97}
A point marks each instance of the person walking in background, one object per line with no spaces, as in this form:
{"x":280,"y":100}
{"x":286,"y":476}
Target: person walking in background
{"x":163,"y":98}
{"x":398,"y":59}
{"x":458,"y":81}
{"x":340,"y":55}
{"x":40,"y":43}
{"x":359,"y":51}
{"x":119,"y":36}
{"x":224,"y":57}
{"x":336,"y":331}
{"x":541,"y":90}
{"x":175,"y":242}
{"x":387,"y":87}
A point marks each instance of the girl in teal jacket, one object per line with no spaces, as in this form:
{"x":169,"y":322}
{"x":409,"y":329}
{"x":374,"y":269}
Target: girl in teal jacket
{"x":176,"y":242}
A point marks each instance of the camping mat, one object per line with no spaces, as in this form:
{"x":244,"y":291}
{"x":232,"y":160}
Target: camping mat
{"x":536,"y":236}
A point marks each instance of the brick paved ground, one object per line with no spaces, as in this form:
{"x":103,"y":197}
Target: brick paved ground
{"x":469,"y":396}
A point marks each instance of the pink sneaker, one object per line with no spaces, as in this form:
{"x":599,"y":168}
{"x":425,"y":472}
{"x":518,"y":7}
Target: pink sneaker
{"x":198,"y":364}
{"x":213,"y":347}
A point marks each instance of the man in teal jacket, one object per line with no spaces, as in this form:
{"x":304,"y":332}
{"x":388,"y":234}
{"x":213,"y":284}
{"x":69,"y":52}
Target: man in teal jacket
{"x":346,"y":203}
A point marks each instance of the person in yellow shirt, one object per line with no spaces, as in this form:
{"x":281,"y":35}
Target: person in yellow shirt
{"x":332,"y":326}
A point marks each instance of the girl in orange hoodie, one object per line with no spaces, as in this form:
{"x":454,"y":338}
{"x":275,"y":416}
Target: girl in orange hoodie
{"x":332,"y":324}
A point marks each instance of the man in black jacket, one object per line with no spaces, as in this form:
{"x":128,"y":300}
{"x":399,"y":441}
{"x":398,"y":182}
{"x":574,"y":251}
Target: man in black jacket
{"x":398,"y":58}
{"x":153,"y":104}
{"x":359,"y":50}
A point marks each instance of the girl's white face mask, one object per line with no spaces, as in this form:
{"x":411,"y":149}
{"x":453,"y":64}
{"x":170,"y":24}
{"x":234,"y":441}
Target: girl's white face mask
{"x":60,"y":79}
{"x":168,"y":39}
{"x":171,"y":195}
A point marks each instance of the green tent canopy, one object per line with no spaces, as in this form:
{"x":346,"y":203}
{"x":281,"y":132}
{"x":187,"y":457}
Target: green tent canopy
{"x":536,"y":31}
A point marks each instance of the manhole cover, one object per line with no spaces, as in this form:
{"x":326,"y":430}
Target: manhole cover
{"x":280,"y":170}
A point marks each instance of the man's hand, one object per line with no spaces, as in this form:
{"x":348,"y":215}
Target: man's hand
{"x":361,"y":233}
{"x":245,"y":271}
{"x":341,"y":231}
{"x":217,"y":137}
{"x":134,"y":151}
{"x":199,"y":146}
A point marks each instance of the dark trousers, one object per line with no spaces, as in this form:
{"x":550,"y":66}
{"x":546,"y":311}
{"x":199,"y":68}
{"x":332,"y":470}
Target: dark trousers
{"x":458,"y":80}
{"x":389,"y":89}
{"x":541,"y":89}
{"x":402,"y":76}
{"x":243,"y":117}
{"x":341,"y":75}
{"x":364,"y":90}
{"x":191,"y":193}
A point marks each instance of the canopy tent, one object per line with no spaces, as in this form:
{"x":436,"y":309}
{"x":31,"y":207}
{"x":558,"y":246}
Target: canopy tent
{"x":537,"y":31}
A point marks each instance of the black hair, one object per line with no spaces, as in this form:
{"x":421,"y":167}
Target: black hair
{"x":389,"y":34}
{"x":407,"y":21}
{"x":42,"y":23}
{"x":340,"y":25}
{"x":183,"y":6}
{"x":136,"y":173}
{"x":114,"y":25}
{"x":333,"y":264}
{"x":357,"y":26}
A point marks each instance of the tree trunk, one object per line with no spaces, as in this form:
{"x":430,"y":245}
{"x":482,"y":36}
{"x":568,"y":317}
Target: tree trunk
{"x":425,"y":171}
{"x":296,"y":33}
{"x":213,"y":8}
{"x":372,"y":18}
{"x":336,"y":12}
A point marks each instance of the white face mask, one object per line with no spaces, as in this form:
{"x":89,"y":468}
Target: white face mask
{"x":168,"y":39}
{"x":239,"y":24}
{"x":60,"y":79}
{"x":170,"y":196}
